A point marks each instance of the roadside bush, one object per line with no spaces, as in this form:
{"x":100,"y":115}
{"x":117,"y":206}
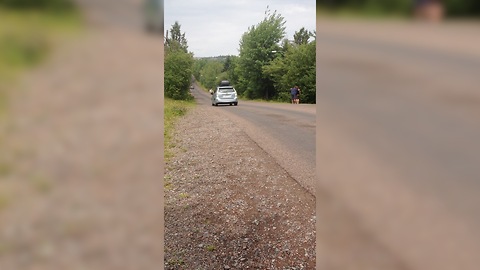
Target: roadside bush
{"x":284,"y":96}
{"x":24,"y":50}
{"x":178,"y":74}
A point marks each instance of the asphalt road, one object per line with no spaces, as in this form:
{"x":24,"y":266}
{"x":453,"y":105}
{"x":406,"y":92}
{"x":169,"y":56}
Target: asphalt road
{"x":285,"y":131}
{"x":398,"y":128}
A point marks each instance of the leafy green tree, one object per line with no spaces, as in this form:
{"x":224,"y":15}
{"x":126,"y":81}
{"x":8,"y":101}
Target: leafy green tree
{"x":302,"y":36}
{"x":256,"y":50}
{"x":177,"y":39}
{"x":231,"y":72}
{"x":178,"y":64}
{"x":177,"y":74}
{"x":210,"y":73}
{"x":198,"y":66}
{"x":296,"y":66}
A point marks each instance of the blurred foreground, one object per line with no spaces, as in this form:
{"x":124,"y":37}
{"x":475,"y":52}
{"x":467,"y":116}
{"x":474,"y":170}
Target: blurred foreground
{"x":397,"y":144}
{"x":80,"y":184}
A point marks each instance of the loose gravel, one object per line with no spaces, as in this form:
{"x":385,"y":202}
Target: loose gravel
{"x":228,"y":205}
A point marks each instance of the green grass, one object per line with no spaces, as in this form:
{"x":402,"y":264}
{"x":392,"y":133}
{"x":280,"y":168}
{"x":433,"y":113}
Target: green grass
{"x":174,"y":109}
{"x":41,"y":184}
{"x":176,"y":262}
{"x":4,"y":201}
{"x":5,"y":169}
{"x":210,"y":248}
{"x":184,"y":195}
{"x":26,"y":39}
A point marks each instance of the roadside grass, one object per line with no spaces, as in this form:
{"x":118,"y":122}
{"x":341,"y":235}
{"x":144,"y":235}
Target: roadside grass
{"x":173,"y":110}
{"x":184,"y":195}
{"x":210,"y":248}
{"x":4,"y":201}
{"x":5,"y":168}
{"x":41,"y":184}
{"x":26,"y":39}
{"x":176,"y":262}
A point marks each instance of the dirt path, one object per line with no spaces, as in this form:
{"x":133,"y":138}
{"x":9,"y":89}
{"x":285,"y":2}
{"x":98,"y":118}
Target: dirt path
{"x":84,"y":149}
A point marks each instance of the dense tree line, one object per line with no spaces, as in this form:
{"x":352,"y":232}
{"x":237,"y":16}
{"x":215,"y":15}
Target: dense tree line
{"x":268,"y":64}
{"x":454,"y":8}
{"x":178,"y":64}
{"x":296,"y":65}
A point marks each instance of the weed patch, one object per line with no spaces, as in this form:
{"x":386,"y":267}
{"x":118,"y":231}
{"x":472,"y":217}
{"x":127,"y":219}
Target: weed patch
{"x":184,"y":195}
{"x":4,"y":201}
{"x":41,"y":184}
{"x":210,"y":248}
{"x":173,"y":109}
{"x":5,"y":169}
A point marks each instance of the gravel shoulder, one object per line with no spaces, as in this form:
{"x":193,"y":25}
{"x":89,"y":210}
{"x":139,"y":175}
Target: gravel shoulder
{"x":228,"y":205}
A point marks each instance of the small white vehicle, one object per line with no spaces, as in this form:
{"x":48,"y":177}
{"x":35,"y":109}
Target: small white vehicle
{"x":225,"y":94}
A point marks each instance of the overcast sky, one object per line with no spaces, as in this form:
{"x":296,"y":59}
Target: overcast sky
{"x":214,"y":27}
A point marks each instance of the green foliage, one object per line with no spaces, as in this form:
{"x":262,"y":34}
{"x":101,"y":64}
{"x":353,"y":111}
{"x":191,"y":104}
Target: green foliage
{"x":176,"y":40}
{"x":369,"y":6}
{"x":178,"y":65}
{"x":232,"y":73}
{"x":402,"y":7}
{"x":38,"y":4}
{"x":177,"y":74}
{"x":296,"y":67}
{"x":173,"y":109}
{"x":26,"y":38}
{"x":210,"y":71}
{"x":457,"y":8}
{"x":25,"y":50}
{"x":302,"y":36}
{"x":268,"y":64}
{"x":198,"y":66}
{"x":210,"y":248}
{"x":256,"y":46}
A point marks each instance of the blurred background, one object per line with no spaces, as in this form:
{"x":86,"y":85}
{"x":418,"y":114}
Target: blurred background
{"x":398,"y":106}
{"x":430,"y":9}
{"x":81,"y":134}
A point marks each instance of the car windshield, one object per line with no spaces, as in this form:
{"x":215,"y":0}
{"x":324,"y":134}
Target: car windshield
{"x":226,"y":90}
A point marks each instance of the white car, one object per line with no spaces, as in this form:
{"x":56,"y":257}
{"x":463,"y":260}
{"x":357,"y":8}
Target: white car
{"x":225,"y":95}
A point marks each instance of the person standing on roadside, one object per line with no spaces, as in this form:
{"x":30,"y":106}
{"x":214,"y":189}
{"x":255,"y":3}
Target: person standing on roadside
{"x":297,"y":100}
{"x":294,"y":94}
